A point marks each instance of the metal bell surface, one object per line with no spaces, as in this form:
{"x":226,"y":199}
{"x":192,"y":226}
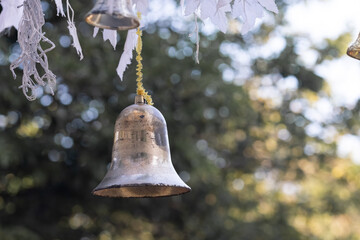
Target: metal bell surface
{"x":354,"y":49}
{"x":141,"y":164}
{"x":113,"y":14}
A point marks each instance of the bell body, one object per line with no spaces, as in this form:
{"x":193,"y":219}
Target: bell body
{"x":113,"y":14}
{"x":354,"y":49}
{"x":141,"y":164}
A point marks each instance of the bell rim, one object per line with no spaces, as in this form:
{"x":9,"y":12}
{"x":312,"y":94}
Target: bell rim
{"x":133,"y":18}
{"x":186,"y":188}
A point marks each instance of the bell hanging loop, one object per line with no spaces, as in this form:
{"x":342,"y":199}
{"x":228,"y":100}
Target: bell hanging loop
{"x":113,"y":14}
{"x":141,"y":163}
{"x":354,"y":49}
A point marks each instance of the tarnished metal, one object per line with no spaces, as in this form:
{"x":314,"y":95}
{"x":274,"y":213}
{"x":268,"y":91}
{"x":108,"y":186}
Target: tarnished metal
{"x":354,"y":49}
{"x":141,"y":164}
{"x":113,"y":14}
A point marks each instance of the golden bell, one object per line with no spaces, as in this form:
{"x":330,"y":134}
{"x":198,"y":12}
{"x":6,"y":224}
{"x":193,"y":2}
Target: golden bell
{"x":141,"y":164}
{"x":354,"y":49}
{"x":113,"y":14}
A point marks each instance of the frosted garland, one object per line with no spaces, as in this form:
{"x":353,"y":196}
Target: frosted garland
{"x":29,"y":37}
{"x":11,"y":13}
{"x":217,"y":11}
{"x":250,"y":10}
{"x":71,"y":24}
{"x":59,"y":8}
{"x":110,"y":35}
{"x":127,"y":55}
{"x":72,"y":29}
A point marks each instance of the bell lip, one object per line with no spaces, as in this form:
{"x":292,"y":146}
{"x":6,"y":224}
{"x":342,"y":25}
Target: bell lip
{"x":120,"y":28}
{"x":187,"y":188}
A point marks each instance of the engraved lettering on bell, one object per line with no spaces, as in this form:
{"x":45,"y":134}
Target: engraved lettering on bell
{"x":141,"y":163}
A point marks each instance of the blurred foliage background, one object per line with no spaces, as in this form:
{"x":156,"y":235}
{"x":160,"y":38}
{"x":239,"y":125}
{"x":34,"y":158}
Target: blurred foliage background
{"x":246,"y":133}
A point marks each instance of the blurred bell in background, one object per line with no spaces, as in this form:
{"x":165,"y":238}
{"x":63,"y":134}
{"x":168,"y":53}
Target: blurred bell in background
{"x":113,"y":14}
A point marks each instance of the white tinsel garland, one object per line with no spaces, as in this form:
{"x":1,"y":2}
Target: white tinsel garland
{"x":29,"y":37}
